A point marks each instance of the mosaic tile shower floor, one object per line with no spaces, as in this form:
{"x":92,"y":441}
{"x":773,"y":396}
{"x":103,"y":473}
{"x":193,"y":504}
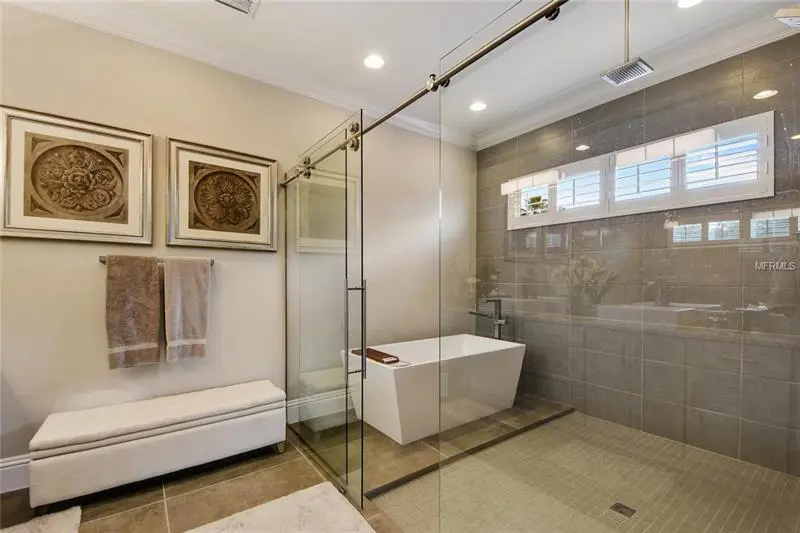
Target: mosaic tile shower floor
{"x":565,"y":476}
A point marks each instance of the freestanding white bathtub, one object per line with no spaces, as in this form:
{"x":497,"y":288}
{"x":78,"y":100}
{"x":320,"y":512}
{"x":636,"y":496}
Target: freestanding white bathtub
{"x":479,"y":377}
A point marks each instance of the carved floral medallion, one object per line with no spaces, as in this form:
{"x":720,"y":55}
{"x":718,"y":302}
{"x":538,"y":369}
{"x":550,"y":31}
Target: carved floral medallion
{"x":224,"y":199}
{"x":73,"y":180}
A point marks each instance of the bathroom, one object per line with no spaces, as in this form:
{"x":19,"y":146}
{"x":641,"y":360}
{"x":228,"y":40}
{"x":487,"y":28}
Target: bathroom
{"x":589,"y":335}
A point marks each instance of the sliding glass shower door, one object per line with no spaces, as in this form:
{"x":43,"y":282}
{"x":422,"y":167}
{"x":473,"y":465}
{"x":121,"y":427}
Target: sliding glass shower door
{"x":324,"y":302}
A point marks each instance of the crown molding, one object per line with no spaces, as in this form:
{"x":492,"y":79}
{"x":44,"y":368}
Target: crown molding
{"x":289,"y":80}
{"x":591,"y":94}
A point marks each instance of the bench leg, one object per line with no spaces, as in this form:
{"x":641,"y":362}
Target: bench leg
{"x":280,"y":447}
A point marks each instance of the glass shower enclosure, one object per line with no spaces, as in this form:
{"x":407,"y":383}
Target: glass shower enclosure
{"x":325,"y":298}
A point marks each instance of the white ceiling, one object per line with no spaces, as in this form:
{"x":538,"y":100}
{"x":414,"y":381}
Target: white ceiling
{"x":549,"y":72}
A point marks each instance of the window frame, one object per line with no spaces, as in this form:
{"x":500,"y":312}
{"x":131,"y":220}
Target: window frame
{"x":631,"y":206}
{"x":680,"y":195}
{"x":595,"y":164}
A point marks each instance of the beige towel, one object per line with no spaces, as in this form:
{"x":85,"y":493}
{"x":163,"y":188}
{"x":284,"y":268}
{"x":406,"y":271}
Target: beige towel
{"x":187,"y":284}
{"x":133,"y":310}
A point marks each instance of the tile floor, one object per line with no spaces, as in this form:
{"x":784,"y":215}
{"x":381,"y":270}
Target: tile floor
{"x":179,"y":502}
{"x":564,"y":476}
{"x":185,"y":500}
{"x":388,"y":463}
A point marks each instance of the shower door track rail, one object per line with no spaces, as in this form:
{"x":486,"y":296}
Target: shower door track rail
{"x":549,"y":11}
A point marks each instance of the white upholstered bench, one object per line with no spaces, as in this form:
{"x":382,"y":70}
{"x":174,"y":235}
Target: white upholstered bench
{"x":80,"y":452}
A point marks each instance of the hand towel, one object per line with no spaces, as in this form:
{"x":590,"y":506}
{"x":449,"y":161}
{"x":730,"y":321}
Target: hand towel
{"x":133,"y":310}
{"x":187,"y":287}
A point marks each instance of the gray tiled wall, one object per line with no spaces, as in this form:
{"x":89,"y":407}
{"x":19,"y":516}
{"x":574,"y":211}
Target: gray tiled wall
{"x":723,"y":374}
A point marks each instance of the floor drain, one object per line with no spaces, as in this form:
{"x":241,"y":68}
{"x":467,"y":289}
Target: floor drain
{"x":623,"y":509}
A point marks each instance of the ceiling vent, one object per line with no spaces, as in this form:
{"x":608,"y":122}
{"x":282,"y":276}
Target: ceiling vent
{"x":244,"y":6}
{"x":633,"y":70}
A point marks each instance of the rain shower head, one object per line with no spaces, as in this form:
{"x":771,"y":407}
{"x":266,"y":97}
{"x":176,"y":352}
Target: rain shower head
{"x":632,"y":70}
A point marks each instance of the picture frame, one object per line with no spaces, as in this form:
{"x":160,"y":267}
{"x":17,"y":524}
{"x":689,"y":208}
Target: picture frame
{"x":220,"y":198}
{"x":70,"y":179}
{"x":320,"y":211}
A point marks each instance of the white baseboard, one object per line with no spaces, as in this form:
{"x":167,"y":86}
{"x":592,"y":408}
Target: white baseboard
{"x":316,"y":406}
{"x":14,"y":473}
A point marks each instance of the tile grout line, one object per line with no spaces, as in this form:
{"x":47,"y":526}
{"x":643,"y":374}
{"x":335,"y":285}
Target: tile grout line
{"x":166,"y":509}
{"x":164,"y":492}
{"x":118,"y":512}
{"x":768,"y":524}
{"x":230,"y":479}
{"x":434,"y":448}
{"x":702,"y":512}
{"x":311,"y":462}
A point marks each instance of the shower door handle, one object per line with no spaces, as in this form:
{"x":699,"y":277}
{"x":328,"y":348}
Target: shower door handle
{"x":363,"y":329}
{"x":346,"y":332}
{"x":363,"y":290}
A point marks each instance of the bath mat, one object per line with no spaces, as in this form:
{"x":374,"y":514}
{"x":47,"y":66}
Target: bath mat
{"x":64,"y":522}
{"x":319,"y":509}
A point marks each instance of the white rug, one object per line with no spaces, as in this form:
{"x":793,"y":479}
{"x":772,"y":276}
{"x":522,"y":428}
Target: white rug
{"x":64,"y":522}
{"x":319,"y":509}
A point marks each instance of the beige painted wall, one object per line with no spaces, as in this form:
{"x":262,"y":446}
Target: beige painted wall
{"x":52,"y":334}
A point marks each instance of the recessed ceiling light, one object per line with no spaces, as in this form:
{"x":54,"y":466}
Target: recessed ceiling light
{"x":685,"y":4}
{"x":765,"y":94}
{"x":477,"y":105}
{"x":373,"y":61}
{"x":796,"y":137}
{"x":582,"y":147}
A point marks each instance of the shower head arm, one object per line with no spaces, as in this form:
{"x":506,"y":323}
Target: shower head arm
{"x":627,"y":30}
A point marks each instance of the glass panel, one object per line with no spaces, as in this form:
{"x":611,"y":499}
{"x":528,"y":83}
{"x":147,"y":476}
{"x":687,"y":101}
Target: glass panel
{"x":650,"y":343}
{"x":725,"y":162}
{"x":724,"y":230}
{"x":479,"y":404}
{"x":323,"y":305}
{"x":650,"y":178}
{"x":606,"y":357}
{"x":356,"y":311}
{"x":770,"y":227}
{"x":534,"y":200}
{"x":578,"y":190}
{"x":687,"y":233}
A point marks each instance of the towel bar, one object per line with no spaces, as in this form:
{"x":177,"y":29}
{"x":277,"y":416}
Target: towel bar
{"x":160,"y":260}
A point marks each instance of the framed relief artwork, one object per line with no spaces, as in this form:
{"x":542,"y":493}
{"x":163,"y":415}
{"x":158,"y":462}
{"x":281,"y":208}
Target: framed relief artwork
{"x":324,"y":201}
{"x":220,"y":199}
{"x":68,"y":179}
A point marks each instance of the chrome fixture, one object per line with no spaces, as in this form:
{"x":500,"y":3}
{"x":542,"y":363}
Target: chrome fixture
{"x":248,"y":7}
{"x":103,"y":259}
{"x":631,"y":69}
{"x":497,"y":318}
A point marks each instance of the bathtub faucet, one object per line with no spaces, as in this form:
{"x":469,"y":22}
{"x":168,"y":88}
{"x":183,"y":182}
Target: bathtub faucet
{"x":497,"y":318}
